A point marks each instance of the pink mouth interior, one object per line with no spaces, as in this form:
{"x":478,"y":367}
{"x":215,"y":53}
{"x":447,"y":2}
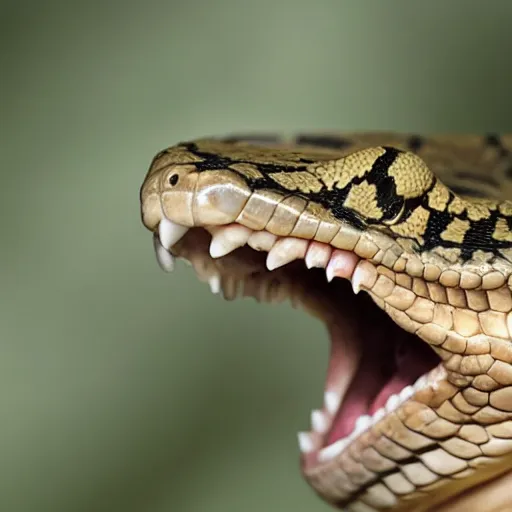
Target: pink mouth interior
{"x":371,"y":357}
{"x":387,"y":360}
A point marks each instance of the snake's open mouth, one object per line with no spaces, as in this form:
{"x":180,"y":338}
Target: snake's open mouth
{"x":417,"y":401}
{"x":374,"y":364}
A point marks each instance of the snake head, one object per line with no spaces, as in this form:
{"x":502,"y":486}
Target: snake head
{"x":417,"y":402}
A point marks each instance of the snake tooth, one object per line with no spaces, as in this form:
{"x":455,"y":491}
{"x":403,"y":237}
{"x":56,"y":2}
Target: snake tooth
{"x":215,"y":283}
{"x":262,"y":241}
{"x":286,"y":250}
{"x":306,"y":443}
{"x":227,"y":239}
{"x":317,"y":255}
{"x":341,"y":264}
{"x":164,"y":258}
{"x":319,"y":422}
{"x":365,"y":275}
{"x":170,"y":232}
{"x":332,"y":401}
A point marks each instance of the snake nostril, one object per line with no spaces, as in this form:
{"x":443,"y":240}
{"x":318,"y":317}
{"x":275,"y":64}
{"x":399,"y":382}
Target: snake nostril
{"x":173,"y":180}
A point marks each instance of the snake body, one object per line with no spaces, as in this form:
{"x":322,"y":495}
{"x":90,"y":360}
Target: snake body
{"x":423,"y":225}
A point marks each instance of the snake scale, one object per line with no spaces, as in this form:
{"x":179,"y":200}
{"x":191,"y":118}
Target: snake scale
{"x":417,"y":411}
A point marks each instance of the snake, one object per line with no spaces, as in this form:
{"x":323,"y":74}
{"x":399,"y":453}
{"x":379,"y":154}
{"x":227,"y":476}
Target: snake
{"x":401,"y":244}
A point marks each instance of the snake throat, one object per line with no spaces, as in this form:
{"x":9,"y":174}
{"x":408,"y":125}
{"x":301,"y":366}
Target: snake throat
{"x":417,"y":403}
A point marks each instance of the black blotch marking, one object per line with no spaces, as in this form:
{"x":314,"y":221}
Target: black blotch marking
{"x":211,"y":161}
{"x":387,"y":198}
{"x":437,"y":223}
{"x":214,"y":161}
{"x":479,"y":236}
{"x":333,"y":199}
{"x":494,"y":140}
{"x":415,"y":143}
{"x":253,"y":139}
{"x":324,"y":141}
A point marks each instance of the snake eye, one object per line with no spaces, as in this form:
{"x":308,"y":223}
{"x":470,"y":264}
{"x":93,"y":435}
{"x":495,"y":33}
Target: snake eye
{"x":173,"y":180}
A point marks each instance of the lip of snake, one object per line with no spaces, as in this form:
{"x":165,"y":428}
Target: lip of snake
{"x":418,"y":394}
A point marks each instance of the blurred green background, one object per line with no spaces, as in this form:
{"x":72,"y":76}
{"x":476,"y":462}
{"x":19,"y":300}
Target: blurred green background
{"x":125,"y":389}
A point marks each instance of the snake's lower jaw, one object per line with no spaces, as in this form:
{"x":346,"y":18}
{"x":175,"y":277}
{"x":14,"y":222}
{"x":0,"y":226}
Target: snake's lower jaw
{"x":378,"y":372}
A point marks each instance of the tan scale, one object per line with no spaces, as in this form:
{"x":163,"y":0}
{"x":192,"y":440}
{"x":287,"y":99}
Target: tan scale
{"x":502,"y":231}
{"x":362,"y":199}
{"x":456,"y":230}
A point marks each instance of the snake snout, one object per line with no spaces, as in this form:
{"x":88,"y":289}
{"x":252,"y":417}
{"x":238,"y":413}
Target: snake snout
{"x":196,"y":199}
{"x":177,"y":189}
{"x":151,"y":211}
